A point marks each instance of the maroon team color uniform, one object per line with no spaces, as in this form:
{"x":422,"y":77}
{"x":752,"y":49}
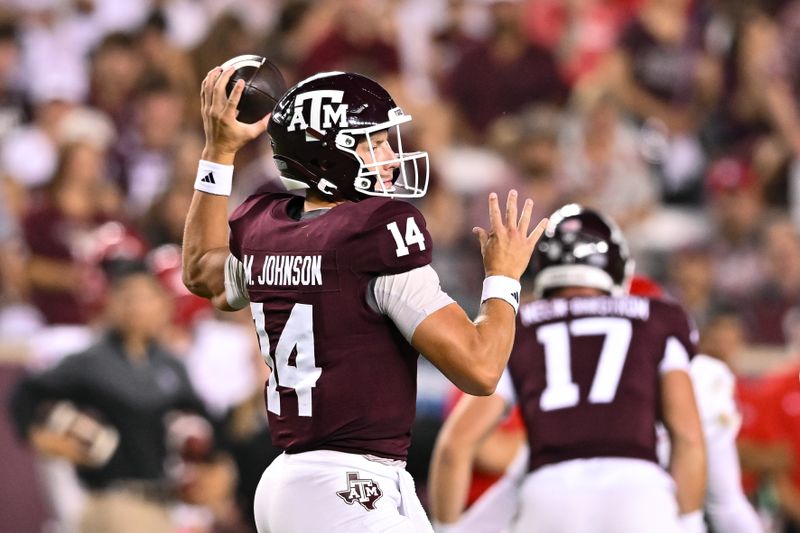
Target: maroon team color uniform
{"x":343,"y":377}
{"x":586,"y":374}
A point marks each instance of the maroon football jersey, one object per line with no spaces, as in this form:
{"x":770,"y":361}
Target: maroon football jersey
{"x":343,"y":377}
{"x":586,"y":374}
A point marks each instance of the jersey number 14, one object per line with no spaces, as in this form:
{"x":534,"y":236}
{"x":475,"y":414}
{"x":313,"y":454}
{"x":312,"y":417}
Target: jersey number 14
{"x":413,"y":236}
{"x":298,"y":333}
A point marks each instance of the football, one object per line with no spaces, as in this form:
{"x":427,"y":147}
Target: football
{"x":263,"y":86}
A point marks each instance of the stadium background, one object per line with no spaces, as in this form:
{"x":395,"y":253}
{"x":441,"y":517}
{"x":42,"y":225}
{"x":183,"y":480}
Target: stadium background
{"x":679,"y":118}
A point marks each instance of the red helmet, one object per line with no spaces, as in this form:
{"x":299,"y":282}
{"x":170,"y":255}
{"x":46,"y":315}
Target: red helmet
{"x":316,"y":126}
{"x":582,"y":248}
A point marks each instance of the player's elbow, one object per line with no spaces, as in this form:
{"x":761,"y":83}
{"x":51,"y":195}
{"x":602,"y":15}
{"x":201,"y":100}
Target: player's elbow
{"x":689,"y":439}
{"x":192,"y":277}
{"x":481,"y":382}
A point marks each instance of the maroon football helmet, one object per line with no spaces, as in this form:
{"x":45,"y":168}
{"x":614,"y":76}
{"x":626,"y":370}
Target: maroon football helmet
{"x":582,"y":248}
{"x":316,"y":126}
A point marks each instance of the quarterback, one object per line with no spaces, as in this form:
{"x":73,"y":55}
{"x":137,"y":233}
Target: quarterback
{"x":343,"y":296}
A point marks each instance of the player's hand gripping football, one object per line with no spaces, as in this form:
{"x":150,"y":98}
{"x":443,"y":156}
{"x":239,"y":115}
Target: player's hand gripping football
{"x":225,"y":135}
{"x":507,"y":246}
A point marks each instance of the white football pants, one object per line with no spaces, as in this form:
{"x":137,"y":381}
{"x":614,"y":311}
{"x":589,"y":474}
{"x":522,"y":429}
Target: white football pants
{"x":333,"y":492}
{"x":601,"y":495}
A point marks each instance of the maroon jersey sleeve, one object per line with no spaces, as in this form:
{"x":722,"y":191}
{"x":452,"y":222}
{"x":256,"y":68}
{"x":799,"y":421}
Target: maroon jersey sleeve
{"x":395,"y":239}
{"x":244,"y":218}
{"x":679,"y":325}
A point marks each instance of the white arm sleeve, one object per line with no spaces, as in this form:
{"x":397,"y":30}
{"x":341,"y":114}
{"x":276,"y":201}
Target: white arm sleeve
{"x":235,"y":284}
{"x":505,"y":389}
{"x":726,"y":505}
{"x":675,"y":357}
{"x":408,"y":298}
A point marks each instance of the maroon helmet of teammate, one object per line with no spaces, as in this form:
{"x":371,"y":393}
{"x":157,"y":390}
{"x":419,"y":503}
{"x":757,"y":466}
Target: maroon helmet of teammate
{"x":316,"y":126}
{"x":582,"y":248}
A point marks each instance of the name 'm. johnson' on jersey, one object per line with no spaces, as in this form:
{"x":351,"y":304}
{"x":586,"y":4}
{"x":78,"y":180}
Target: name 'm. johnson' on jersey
{"x":287,"y":270}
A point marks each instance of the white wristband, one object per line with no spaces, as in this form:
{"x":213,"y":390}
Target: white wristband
{"x":693,"y":522}
{"x":439,"y":527}
{"x":502,"y":287}
{"x":214,"y":178}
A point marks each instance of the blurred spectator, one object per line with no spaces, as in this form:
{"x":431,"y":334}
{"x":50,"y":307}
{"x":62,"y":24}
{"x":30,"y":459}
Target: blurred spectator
{"x":227,"y":37}
{"x":735,"y":37}
{"x":663,"y":77}
{"x":65,"y":285}
{"x":163,"y":223}
{"x":165,"y":59}
{"x":55,"y":43}
{"x":187,"y":309}
{"x":529,"y":142}
{"x":146,"y":148}
{"x":359,"y":36}
{"x":601,"y":157}
{"x":115,"y":391}
{"x":580,"y":32}
{"x":690,"y":278}
{"x":737,"y":209}
{"x":29,"y":153}
{"x":450,"y":40}
{"x":116,"y":69}
{"x":13,"y":104}
{"x":723,"y":335}
{"x":780,"y":289}
{"x":12,"y":273}
{"x":502,"y":74}
{"x":778,"y":66}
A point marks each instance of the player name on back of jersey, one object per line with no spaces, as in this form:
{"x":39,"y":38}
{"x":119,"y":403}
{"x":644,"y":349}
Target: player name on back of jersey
{"x":543,"y":310}
{"x":283,"y":270}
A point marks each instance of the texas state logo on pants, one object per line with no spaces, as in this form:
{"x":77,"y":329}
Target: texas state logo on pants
{"x":362,"y":491}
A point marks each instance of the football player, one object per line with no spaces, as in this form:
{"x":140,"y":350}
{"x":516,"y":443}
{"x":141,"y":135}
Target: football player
{"x":343,"y":296}
{"x":593,"y":369}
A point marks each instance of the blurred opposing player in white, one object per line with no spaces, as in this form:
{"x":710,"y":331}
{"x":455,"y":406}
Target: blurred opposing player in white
{"x":593,"y":369}
{"x":726,"y":506}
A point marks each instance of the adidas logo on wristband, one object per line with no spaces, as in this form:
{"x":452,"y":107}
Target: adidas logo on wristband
{"x":502,"y":287}
{"x":214,"y":178}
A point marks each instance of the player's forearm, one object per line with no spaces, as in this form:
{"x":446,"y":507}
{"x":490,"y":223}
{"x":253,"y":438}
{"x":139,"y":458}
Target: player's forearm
{"x":688,"y":469}
{"x":470,"y":354}
{"x":450,"y":477}
{"x":205,"y":244}
{"x":495,"y":332}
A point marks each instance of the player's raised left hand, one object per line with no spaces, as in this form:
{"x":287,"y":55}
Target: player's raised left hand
{"x":507,"y":246}
{"x":225,"y":135}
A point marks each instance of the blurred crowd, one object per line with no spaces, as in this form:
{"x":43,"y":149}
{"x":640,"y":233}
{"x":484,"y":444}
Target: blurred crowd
{"x":678,"y":118}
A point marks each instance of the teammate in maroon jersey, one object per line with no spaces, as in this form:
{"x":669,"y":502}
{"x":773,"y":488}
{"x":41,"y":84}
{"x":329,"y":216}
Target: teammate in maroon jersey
{"x":592,"y":369}
{"x":343,"y":296}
